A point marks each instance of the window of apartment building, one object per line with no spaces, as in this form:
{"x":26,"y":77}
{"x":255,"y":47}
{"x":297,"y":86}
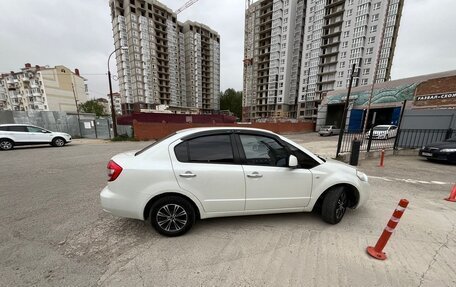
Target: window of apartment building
{"x":366,"y":71}
{"x":347,"y":23}
{"x":286,"y":2}
{"x":364,"y":82}
{"x":285,"y":20}
{"x":339,"y":83}
{"x":367,"y":61}
{"x":343,"y":55}
{"x":346,"y":34}
{"x":375,"y":17}
{"x":350,"y":2}
{"x":285,"y":12}
{"x":282,"y":61}
{"x":280,"y":92}
{"x":281,"y":77}
{"x":377,"y":5}
{"x":282,"y":69}
{"x":371,"y":40}
{"x":345,"y":44}
{"x":358,"y":42}
{"x":283,"y":53}
{"x":284,"y":29}
{"x":369,"y":51}
{"x":341,"y":64}
{"x":349,"y":12}
{"x":340,"y":74}
{"x":355,"y":53}
{"x":284,"y":45}
{"x":373,"y":29}
{"x":284,"y":37}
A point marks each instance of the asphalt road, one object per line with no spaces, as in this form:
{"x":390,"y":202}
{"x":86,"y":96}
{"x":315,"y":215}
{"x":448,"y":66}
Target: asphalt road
{"x":53,"y":232}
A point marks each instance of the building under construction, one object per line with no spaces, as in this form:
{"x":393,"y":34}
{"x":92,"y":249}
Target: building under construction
{"x":295,"y":51}
{"x":166,"y":62}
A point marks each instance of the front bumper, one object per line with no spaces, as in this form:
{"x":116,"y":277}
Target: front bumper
{"x":364,"y":193}
{"x":437,"y":155}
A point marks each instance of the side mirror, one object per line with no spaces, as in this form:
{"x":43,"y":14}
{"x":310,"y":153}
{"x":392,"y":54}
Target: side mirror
{"x":292,"y":161}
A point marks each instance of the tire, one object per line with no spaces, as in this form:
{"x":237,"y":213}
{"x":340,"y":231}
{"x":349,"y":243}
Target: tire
{"x":6,"y":144}
{"x":58,"y":142}
{"x":172,"y":216}
{"x":334,"y":205}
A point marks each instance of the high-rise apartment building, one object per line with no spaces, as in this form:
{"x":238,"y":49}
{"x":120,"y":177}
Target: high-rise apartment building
{"x":298,"y":50}
{"x":167,"y":62}
{"x":42,"y":89}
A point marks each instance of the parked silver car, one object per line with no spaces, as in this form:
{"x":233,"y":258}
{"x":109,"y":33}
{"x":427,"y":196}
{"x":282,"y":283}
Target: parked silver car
{"x":328,"y":131}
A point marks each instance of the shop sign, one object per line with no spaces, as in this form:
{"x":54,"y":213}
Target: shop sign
{"x":445,"y":96}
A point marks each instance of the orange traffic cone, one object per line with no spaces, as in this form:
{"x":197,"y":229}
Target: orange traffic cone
{"x":452,"y":196}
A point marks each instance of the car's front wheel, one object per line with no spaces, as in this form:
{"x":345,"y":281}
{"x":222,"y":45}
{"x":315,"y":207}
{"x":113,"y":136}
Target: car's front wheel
{"x":58,"y":142}
{"x":6,"y":144}
{"x":172,"y":216}
{"x":334,"y":205}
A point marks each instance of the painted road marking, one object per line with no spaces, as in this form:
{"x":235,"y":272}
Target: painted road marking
{"x":409,"y":180}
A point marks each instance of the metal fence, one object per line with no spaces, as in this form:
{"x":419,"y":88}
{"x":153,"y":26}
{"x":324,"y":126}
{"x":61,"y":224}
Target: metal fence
{"x":406,"y":138}
{"x":367,"y":143}
{"x":416,"y":138}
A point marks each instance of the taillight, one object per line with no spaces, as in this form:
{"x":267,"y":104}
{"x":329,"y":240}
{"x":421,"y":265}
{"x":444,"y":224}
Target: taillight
{"x":114,"y":170}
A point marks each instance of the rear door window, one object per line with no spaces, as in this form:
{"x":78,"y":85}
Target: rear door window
{"x":206,"y":149}
{"x":18,"y":129}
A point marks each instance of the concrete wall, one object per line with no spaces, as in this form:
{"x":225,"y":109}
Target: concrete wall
{"x":148,"y":131}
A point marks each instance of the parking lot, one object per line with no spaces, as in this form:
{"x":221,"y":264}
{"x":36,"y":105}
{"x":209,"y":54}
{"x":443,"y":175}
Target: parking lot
{"x":54,"y":233}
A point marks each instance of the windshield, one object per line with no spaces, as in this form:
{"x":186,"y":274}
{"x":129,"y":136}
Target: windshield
{"x":380,"y":128}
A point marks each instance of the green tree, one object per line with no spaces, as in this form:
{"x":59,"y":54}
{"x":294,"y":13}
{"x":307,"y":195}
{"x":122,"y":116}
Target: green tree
{"x":231,"y":100}
{"x":93,"y":107}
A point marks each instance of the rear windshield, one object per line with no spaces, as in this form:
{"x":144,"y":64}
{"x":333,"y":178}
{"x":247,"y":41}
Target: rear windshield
{"x":154,"y":143}
{"x":326,"y":127}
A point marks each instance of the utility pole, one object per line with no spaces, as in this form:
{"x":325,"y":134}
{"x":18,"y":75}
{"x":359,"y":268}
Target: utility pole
{"x":376,"y":67}
{"x":77,"y":107}
{"x":344,"y":114}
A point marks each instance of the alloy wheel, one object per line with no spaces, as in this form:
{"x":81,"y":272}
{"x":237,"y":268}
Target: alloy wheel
{"x":172,"y":217}
{"x":341,"y":205}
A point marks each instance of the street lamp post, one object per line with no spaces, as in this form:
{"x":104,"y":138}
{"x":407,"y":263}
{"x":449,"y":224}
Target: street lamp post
{"x":113,"y":110}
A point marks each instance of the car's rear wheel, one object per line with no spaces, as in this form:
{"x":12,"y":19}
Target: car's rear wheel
{"x":334,"y":205}
{"x":6,"y":144}
{"x":58,"y":142}
{"x":172,"y":216}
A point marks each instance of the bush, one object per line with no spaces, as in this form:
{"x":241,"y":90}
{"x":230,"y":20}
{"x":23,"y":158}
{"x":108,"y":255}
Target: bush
{"x":123,"y":137}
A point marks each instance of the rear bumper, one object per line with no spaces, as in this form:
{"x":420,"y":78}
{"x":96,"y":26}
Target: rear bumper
{"x":120,"y":205}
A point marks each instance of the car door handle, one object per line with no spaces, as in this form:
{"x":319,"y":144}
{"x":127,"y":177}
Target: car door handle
{"x":187,"y":174}
{"x":255,"y":175}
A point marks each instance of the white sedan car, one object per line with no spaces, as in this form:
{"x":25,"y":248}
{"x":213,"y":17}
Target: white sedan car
{"x":20,"y":134}
{"x":383,"y":132}
{"x":213,"y":172}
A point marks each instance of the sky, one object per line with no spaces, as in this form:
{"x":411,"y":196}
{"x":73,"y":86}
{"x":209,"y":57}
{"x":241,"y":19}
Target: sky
{"x":78,"y":34}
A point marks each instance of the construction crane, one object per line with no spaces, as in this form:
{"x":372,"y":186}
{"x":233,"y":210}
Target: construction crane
{"x":186,"y":5}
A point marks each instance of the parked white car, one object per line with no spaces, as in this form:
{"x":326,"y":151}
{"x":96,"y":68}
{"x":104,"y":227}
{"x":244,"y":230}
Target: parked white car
{"x":19,"y":134}
{"x":383,"y":132}
{"x":214,"y":172}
